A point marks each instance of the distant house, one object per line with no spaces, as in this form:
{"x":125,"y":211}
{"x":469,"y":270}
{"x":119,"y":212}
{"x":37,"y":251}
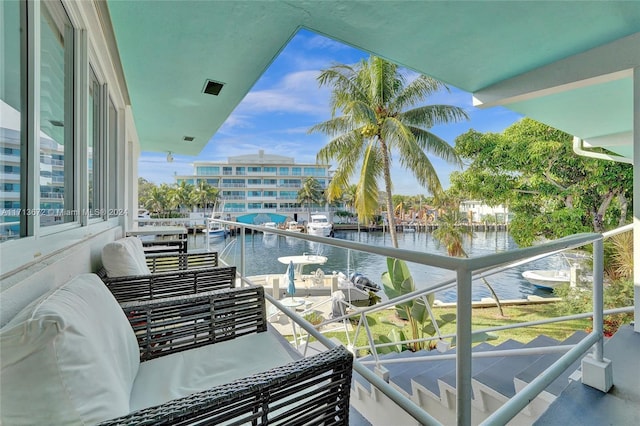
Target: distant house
{"x":476,"y":211}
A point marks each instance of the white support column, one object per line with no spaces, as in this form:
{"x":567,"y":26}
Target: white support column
{"x":636,"y":192}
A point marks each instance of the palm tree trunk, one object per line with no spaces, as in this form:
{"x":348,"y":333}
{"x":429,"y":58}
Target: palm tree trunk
{"x":387,"y":187}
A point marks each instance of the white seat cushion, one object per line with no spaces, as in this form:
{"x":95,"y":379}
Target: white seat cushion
{"x":184,"y":373}
{"x":124,"y":257}
{"x":70,"y":357}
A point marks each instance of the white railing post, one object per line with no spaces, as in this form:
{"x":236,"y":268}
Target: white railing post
{"x":598,"y":297}
{"x":242,"y":251}
{"x":463,"y":348}
{"x":597,"y":371}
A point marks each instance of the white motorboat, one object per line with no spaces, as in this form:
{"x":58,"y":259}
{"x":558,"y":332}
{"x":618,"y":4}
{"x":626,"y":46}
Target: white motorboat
{"x":268,"y":226}
{"x":409,"y":227}
{"x":320,"y":226}
{"x":547,"y":278}
{"x":356,"y":288}
{"x":293,"y":226}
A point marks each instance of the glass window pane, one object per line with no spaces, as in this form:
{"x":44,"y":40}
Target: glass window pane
{"x":112,"y":175}
{"x":56,"y":154}
{"x":10,"y":116}
{"x":93,"y":145}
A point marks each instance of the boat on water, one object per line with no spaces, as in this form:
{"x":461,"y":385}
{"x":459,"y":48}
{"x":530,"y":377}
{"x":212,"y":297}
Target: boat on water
{"x":356,"y":288}
{"x":216,"y":230}
{"x":293,"y":226}
{"x":319,"y":225}
{"x":268,"y":226}
{"x":409,"y":227}
{"x":547,"y":278}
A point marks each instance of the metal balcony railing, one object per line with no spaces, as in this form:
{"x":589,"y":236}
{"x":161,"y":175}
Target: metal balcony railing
{"x":466,"y":270}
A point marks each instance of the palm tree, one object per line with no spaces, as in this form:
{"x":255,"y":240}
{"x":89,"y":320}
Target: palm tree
{"x":205,"y":194}
{"x":450,"y":234}
{"x":183,"y":195}
{"x":311,"y":192}
{"x":374,"y":98}
{"x":349,"y":197}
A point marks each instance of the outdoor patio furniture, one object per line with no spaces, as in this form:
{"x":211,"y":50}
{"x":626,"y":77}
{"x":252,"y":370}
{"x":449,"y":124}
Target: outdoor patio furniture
{"x":75,"y":356}
{"x":130,"y":275}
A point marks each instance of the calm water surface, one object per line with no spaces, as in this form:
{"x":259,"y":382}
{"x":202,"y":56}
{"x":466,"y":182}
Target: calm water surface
{"x":262,"y":258}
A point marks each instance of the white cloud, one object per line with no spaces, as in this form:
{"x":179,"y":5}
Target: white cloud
{"x":295,"y":93}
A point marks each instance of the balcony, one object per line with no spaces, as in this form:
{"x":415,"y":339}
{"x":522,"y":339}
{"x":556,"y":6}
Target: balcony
{"x":454,"y":373}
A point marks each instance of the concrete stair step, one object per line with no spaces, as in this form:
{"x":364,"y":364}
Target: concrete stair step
{"x":480,"y":364}
{"x":428,"y":378}
{"x":499,"y":375}
{"x":531,"y":372}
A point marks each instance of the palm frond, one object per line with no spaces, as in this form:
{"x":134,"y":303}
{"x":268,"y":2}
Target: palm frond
{"x":335,"y":126}
{"x":416,"y":91}
{"x":395,"y":133}
{"x":428,"y":116}
{"x":367,"y":189}
{"x":433,"y":144}
{"x":413,"y":158}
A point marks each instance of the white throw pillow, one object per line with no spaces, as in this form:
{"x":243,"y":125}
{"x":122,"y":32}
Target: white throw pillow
{"x":124,"y":257}
{"x":70,"y":357}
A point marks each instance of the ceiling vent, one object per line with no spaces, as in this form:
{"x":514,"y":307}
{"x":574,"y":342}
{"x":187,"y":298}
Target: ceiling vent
{"x":212,"y":87}
{"x":188,"y":138}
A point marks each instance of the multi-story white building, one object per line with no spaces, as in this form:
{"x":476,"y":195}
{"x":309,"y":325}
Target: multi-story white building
{"x":260,"y":184}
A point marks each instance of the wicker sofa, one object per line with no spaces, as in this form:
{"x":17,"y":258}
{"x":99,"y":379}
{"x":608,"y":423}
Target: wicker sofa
{"x":76,"y":356}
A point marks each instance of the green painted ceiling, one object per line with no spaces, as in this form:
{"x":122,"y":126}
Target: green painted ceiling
{"x":169,"y":48}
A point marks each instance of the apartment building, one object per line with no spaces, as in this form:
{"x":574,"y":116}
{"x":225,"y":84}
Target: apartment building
{"x":259,"y":184}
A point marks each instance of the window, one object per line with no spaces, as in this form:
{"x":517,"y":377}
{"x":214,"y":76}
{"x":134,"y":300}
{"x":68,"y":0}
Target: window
{"x":296,"y":171}
{"x":269,"y":169}
{"x":284,"y":171}
{"x":56,"y":117}
{"x":114,"y":170}
{"x":227,"y":171}
{"x":94,"y":145}
{"x":254,"y":181}
{"x":233,"y":183}
{"x":289,"y":183}
{"x":269,"y":193}
{"x":288,"y":195}
{"x":213,"y":182}
{"x":11,"y":104}
{"x":314,"y":171}
{"x":254,"y":205}
{"x":254,"y":193}
{"x":270,"y":182}
{"x":255,"y":169}
{"x":240,"y":171}
{"x":270,"y":205}
{"x":208,"y":171}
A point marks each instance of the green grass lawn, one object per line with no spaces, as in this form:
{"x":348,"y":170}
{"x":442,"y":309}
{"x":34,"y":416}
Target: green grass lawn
{"x":383,"y":322}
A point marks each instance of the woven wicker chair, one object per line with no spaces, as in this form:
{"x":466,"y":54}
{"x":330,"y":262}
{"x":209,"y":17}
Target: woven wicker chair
{"x":309,"y":391}
{"x":172,"y":274}
{"x":169,"y":284}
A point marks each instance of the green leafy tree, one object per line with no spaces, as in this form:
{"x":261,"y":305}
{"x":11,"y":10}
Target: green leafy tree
{"x":311,"y":193}
{"x":144,"y":191}
{"x":374,"y":99}
{"x":552,"y":192}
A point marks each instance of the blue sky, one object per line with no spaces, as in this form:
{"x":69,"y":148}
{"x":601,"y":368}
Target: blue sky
{"x":286,"y":101}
